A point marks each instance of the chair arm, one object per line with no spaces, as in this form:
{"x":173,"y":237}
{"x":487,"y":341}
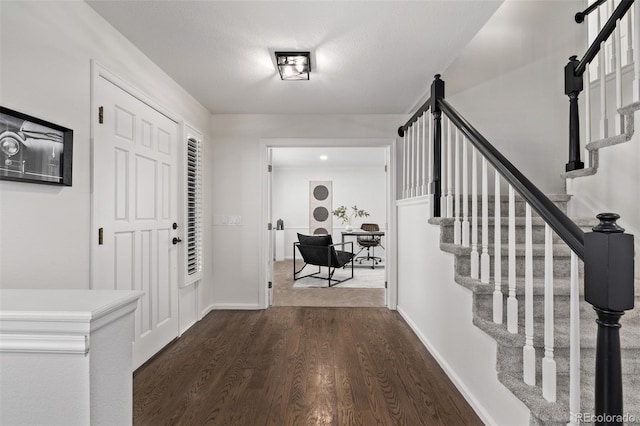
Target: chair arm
{"x":343,"y":244}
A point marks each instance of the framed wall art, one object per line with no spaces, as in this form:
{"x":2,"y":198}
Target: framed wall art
{"x":320,"y":202}
{"x":34,"y":150}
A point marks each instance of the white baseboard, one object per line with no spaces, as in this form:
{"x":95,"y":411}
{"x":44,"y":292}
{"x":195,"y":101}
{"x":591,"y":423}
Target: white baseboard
{"x":206,"y":310}
{"x":234,"y":306}
{"x":459,"y":384}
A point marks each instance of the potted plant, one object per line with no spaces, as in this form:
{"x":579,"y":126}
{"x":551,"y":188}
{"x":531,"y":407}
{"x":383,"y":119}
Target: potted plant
{"x":345,"y":215}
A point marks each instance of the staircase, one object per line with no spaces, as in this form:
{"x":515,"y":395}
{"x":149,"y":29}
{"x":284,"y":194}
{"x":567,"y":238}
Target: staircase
{"x":538,"y":303}
{"x":510,"y":353}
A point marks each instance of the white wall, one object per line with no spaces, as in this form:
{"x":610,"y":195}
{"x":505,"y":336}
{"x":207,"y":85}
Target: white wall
{"x":364,"y":187}
{"x":440,"y":312}
{"x":509,"y":83}
{"x":237,"y":186}
{"x":46,"y":52}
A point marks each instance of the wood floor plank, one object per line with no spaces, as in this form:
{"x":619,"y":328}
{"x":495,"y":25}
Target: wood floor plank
{"x":298,"y":366}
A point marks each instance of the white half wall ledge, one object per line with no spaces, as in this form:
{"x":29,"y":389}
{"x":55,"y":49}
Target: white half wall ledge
{"x":66,"y":356}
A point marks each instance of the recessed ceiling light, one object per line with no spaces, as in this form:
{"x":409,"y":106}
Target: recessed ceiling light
{"x":323,"y":157}
{"x":293,"y":65}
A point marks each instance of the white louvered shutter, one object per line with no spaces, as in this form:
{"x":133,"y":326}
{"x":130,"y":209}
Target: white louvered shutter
{"x":194,"y":210}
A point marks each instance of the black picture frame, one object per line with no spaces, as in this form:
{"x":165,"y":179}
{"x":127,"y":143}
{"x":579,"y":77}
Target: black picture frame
{"x":34,"y":150}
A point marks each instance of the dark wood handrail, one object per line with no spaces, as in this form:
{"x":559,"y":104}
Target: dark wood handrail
{"x":580,"y":15}
{"x":603,"y":35}
{"x":425,"y":107}
{"x":552,"y":215}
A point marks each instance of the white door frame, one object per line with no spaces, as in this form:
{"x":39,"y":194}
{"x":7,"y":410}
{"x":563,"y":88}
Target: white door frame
{"x":391,"y":237}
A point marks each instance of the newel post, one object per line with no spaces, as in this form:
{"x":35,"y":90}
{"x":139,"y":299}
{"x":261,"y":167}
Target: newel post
{"x":608,"y":286}
{"x":437,"y":92}
{"x":572,"y":88}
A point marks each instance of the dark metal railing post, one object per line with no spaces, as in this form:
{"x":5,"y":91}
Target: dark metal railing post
{"x":609,"y":287}
{"x":572,"y":88}
{"x":437,"y":92}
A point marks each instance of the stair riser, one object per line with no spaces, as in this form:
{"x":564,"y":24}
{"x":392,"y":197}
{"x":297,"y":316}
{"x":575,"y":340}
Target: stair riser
{"x":504,"y":207}
{"x":510,"y":360}
{"x":561,"y":268}
{"x":484,"y":304}
{"x":537,"y":234}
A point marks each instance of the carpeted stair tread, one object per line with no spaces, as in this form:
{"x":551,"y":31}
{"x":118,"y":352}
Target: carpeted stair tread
{"x":629,"y":332}
{"x":538,"y":250}
{"x":561,"y":286}
{"x":520,"y":221}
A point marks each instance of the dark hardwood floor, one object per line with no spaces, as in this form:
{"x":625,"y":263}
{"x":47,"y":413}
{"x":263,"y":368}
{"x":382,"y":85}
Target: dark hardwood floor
{"x":298,"y":366}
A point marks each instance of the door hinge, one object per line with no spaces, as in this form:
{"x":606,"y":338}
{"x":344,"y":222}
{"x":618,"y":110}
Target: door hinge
{"x":269,"y":168}
{"x":385,"y":168}
{"x":100,"y":236}
{"x":270,"y":284}
{"x":385,"y":284}
{"x":269,"y":226}
{"x":100,"y":115}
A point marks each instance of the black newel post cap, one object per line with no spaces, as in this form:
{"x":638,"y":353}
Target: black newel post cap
{"x":572,"y":82}
{"x":608,"y":265}
{"x":437,"y":92}
{"x":401,"y":131}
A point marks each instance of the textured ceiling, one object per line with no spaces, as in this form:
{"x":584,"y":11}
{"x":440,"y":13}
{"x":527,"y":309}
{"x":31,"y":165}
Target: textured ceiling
{"x":371,"y":57}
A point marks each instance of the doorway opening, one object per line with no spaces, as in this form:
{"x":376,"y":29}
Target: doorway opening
{"x":352,"y":173}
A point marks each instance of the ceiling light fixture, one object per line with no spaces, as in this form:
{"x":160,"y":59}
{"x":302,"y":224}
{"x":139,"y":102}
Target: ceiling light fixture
{"x":293,"y":65}
{"x":323,"y":157}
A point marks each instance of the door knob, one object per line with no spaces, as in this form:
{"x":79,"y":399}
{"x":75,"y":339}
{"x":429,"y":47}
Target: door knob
{"x":176,"y":240}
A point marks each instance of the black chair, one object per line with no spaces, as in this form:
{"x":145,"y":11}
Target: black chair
{"x":319,"y":250}
{"x":369,"y":242}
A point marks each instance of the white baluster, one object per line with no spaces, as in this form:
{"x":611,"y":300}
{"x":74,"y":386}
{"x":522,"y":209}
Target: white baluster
{"x":485,"y":261}
{"x":443,"y":168}
{"x":465,"y":194}
{"x":548,"y":363}
{"x":528,"y":351}
{"x":614,"y":47}
{"x":587,"y":115}
{"x":425,"y":155}
{"x":457,"y":228}
{"x":619,"y":120}
{"x":412,"y":168}
{"x":497,"y":255}
{"x":417,"y":160}
{"x":629,"y":55}
{"x":418,"y":157}
{"x":636,"y":52}
{"x":450,"y":141}
{"x":430,"y":159}
{"x":602,"y":75}
{"x":587,"y":101}
{"x":512,"y":302}
{"x":574,"y":343}
{"x":404,"y":163}
{"x":475,"y":257}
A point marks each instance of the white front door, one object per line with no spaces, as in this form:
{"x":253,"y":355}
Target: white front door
{"x":135,"y":151}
